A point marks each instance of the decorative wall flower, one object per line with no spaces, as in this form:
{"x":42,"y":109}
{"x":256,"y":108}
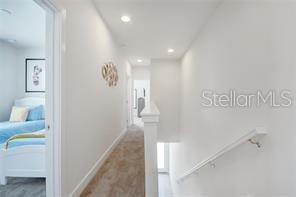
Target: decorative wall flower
{"x":110,"y":74}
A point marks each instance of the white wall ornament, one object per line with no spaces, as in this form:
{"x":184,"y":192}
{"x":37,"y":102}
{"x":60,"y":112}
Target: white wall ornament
{"x":110,"y":74}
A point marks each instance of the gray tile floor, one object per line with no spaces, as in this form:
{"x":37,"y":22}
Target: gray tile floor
{"x":23,"y":187}
{"x":164,"y":185}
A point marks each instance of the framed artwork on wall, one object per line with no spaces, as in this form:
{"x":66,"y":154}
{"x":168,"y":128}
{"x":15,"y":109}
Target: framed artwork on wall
{"x":35,"y":75}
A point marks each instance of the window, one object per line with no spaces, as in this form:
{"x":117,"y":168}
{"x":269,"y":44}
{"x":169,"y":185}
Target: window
{"x":163,"y":157}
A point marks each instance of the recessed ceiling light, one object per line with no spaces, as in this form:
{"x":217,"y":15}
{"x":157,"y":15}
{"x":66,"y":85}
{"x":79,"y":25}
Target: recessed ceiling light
{"x":125,"y":19}
{"x":171,"y":50}
{"x":139,"y":61}
{"x":5,"y":11}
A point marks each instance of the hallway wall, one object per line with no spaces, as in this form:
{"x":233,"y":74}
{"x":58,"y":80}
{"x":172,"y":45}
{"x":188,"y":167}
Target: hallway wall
{"x":165,"y":92}
{"x":164,"y":76}
{"x":246,"y":46}
{"x":94,"y":114}
{"x":141,"y":73}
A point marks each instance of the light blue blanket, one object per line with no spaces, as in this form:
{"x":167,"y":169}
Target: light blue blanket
{"x":26,"y":141}
{"x":9,"y":129}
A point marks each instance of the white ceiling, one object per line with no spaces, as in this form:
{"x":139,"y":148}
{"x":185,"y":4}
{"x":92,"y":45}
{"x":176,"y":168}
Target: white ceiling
{"x":25,"y":24}
{"x":156,"y":25}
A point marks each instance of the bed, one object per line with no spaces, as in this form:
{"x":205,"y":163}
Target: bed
{"x":25,"y":157}
{"x":8,"y":129}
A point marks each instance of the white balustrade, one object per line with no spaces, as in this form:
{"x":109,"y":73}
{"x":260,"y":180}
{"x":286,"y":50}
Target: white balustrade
{"x":150,"y":117}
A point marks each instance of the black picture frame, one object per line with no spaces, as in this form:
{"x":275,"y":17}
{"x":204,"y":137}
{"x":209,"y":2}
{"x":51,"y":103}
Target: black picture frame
{"x":27,"y":90}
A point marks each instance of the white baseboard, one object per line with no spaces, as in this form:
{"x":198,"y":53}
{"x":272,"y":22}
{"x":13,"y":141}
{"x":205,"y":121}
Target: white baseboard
{"x":92,"y":172}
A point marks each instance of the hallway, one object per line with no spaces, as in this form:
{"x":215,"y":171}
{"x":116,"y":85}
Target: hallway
{"x":123,"y":174}
{"x":150,"y":98}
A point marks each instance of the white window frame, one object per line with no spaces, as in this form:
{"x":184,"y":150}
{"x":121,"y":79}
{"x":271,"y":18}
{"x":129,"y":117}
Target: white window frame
{"x":166,"y":159}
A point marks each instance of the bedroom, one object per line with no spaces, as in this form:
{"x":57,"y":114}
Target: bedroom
{"x":22,"y":98}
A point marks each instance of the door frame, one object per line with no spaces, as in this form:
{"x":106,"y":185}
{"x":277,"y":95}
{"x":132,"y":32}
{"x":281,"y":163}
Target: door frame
{"x":54,"y":27}
{"x":129,"y":101}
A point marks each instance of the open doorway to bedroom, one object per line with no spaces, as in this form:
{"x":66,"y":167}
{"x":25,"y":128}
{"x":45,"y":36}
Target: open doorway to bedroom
{"x":23,"y":104}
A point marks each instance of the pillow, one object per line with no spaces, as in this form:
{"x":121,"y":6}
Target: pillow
{"x":18,"y":114}
{"x":35,"y":113}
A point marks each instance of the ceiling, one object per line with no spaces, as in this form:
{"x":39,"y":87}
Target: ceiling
{"x":25,"y":25}
{"x":156,"y":25}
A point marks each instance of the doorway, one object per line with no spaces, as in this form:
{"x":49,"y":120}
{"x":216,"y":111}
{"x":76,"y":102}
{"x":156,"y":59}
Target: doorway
{"x":141,"y":97}
{"x":54,"y":20}
{"x":26,"y":159}
{"x":39,"y":92}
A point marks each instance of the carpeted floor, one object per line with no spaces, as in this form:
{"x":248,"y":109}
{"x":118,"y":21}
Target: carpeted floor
{"x":23,"y":187}
{"x":123,"y":173}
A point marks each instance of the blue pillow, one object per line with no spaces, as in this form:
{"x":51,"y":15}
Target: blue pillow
{"x":35,"y":113}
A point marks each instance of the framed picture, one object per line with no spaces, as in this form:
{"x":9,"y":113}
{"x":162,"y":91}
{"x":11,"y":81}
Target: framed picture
{"x":35,"y":75}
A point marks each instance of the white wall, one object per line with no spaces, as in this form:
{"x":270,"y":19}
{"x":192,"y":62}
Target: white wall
{"x":165,"y":92}
{"x":141,"y":73}
{"x":12,"y":75}
{"x":129,"y":97}
{"x":245,"y":46}
{"x":164,"y":76}
{"x":94,"y":115}
{"x":8,"y":79}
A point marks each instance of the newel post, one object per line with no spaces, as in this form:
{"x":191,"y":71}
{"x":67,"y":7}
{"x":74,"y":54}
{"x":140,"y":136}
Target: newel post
{"x":150,"y":117}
